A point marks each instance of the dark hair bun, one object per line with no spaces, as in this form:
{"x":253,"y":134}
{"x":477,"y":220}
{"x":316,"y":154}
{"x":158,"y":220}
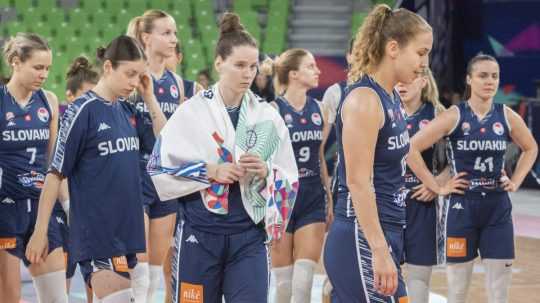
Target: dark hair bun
{"x":100,"y":52}
{"x":79,"y":64}
{"x":230,"y":22}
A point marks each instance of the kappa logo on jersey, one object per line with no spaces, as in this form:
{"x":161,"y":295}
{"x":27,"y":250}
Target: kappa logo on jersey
{"x":11,"y":124}
{"x":466,"y":128}
{"x":498,"y":128}
{"x":191,"y":293}
{"x":457,"y":206}
{"x":8,"y":200}
{"x":43,"y":114}
{"x":103,"y":126}
{"x":60,"y":220}
{"x":192,"y":239}
{"x":32,"y":179}
{"x":10,"y":116}
{"x":423,"y":123}
{"x":174,"y":91}
{"x":316,"y":118}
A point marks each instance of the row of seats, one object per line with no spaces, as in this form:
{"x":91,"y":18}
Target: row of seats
{"x":72,"y":31}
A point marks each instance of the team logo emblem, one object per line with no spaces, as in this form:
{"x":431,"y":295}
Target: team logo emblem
{"x":409,"y":126}
{"x":133,"y":122}
{"x":161,"y":91}
{"x":483,"y":130}
{"x":43,"y":114}
{"x":498,"y":128}
{"x":9,"y":116}
{"x":288,"y":119}
{"x":466,"y":128}
{"x":303,"y":121}
{"x":174,"y":91}
{"x":316,"y":118}
{"x":27,"y":118}
{"x":423,"y":123}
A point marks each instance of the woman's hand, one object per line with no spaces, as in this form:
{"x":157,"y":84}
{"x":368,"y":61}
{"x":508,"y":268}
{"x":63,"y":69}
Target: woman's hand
{"x":384,"y":272}
{"x":456,"y":185}
{"x":423,"y":194}
{"x":38,"y":247}
{"x":146,"y":87}
{"x":253,"y":164}
{"x":225,"y":173}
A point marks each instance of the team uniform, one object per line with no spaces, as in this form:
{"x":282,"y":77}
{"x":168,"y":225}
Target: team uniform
{"x":421,"y":231}
{"x":214,"y":251}
{"x":331,"y":99}
{"x":98,"y":151}
{"x":305,"y":129}
{"x":480,"y":220}
{"x":23,"y":163}
{"x":168,"y":97}
{"x":347,"y":256}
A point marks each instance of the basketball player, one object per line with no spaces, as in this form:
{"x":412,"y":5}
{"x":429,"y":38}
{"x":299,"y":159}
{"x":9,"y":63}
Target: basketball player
{"x":295,"y":256}
{"x":480,"y":220}
{"x":98,"y":151}
{"x":364,"y":245}
{"x":29,"y":126}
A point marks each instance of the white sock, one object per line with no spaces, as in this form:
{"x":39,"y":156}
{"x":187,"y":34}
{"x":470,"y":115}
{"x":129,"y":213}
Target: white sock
{"x":283,"y":276}
{"x":122,"y":296}
{"x":51,"y":287}
{"x":498,"y":279}
{"x":302,"y":281}
{"x":156,"y":272}
{"x":327,"y":287}
{"x":140,"y":281}
{"x":459,"y":279}
{"x":417,"y":281}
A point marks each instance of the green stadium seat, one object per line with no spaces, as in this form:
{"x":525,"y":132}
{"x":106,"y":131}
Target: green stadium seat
{"x":46,"y":5}
{"x":164,"y":5}
{"x":101,"y":18}
{"x":23,"y":5}
{"x":55,"y":17}
{"x":13,"y":28}
{"x":357,"y":20}
{"x":78,"y":17}
{"x":184,"y":8}
{"x":390,"y":3}
{"x":92,"y":5}
{"x":241,"y":6}
{"x":114,"y":6}
{"x":203,"y":5}
{"x":32,"y":15}
{"x":122,"y":18}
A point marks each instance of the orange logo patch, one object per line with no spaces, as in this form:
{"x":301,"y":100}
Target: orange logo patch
{"x":456,"y":247}
{"x":120,"y":264}
{"x":404,"y":299}
{"x":8,"y":243}
{"x":191,"y":293}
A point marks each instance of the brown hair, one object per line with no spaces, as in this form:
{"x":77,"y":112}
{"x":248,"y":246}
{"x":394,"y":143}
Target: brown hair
{"x":478,"y":58}
{"x":380,"y":26}
{"x":79,"y":72}
{"x":144,"y":24}
{"x":22,"y":45}
{"x":232,"y":33}
{"x":121,"y":48}
{"x":280,"y":67}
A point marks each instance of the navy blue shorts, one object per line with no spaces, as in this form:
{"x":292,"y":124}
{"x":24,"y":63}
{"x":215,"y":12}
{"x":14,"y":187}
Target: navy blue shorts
{"x":421,"y":233}
{"x":347,"y":260}
{"x":479,"y":223}
{"x":310,"y":205}
{"x":153,"y":207}
{"x":208,"y":266}
{"x":120,"y":265}
{"x":64,"y":230}
{"x":17,"y":221}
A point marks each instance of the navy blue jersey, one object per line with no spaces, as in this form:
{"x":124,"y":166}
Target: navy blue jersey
{"x":168,"y":97}
{"x":305,"y":130}
{"x":477,"y":147}
{"x":189,"y":89}
{"x":415,"y":122}
{"x":98,"y":150}
{"x":23,"y":145}
{"x":389,"y":163}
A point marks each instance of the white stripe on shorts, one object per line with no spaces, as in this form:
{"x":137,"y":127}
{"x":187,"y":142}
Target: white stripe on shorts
{"x":175,"y":266}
